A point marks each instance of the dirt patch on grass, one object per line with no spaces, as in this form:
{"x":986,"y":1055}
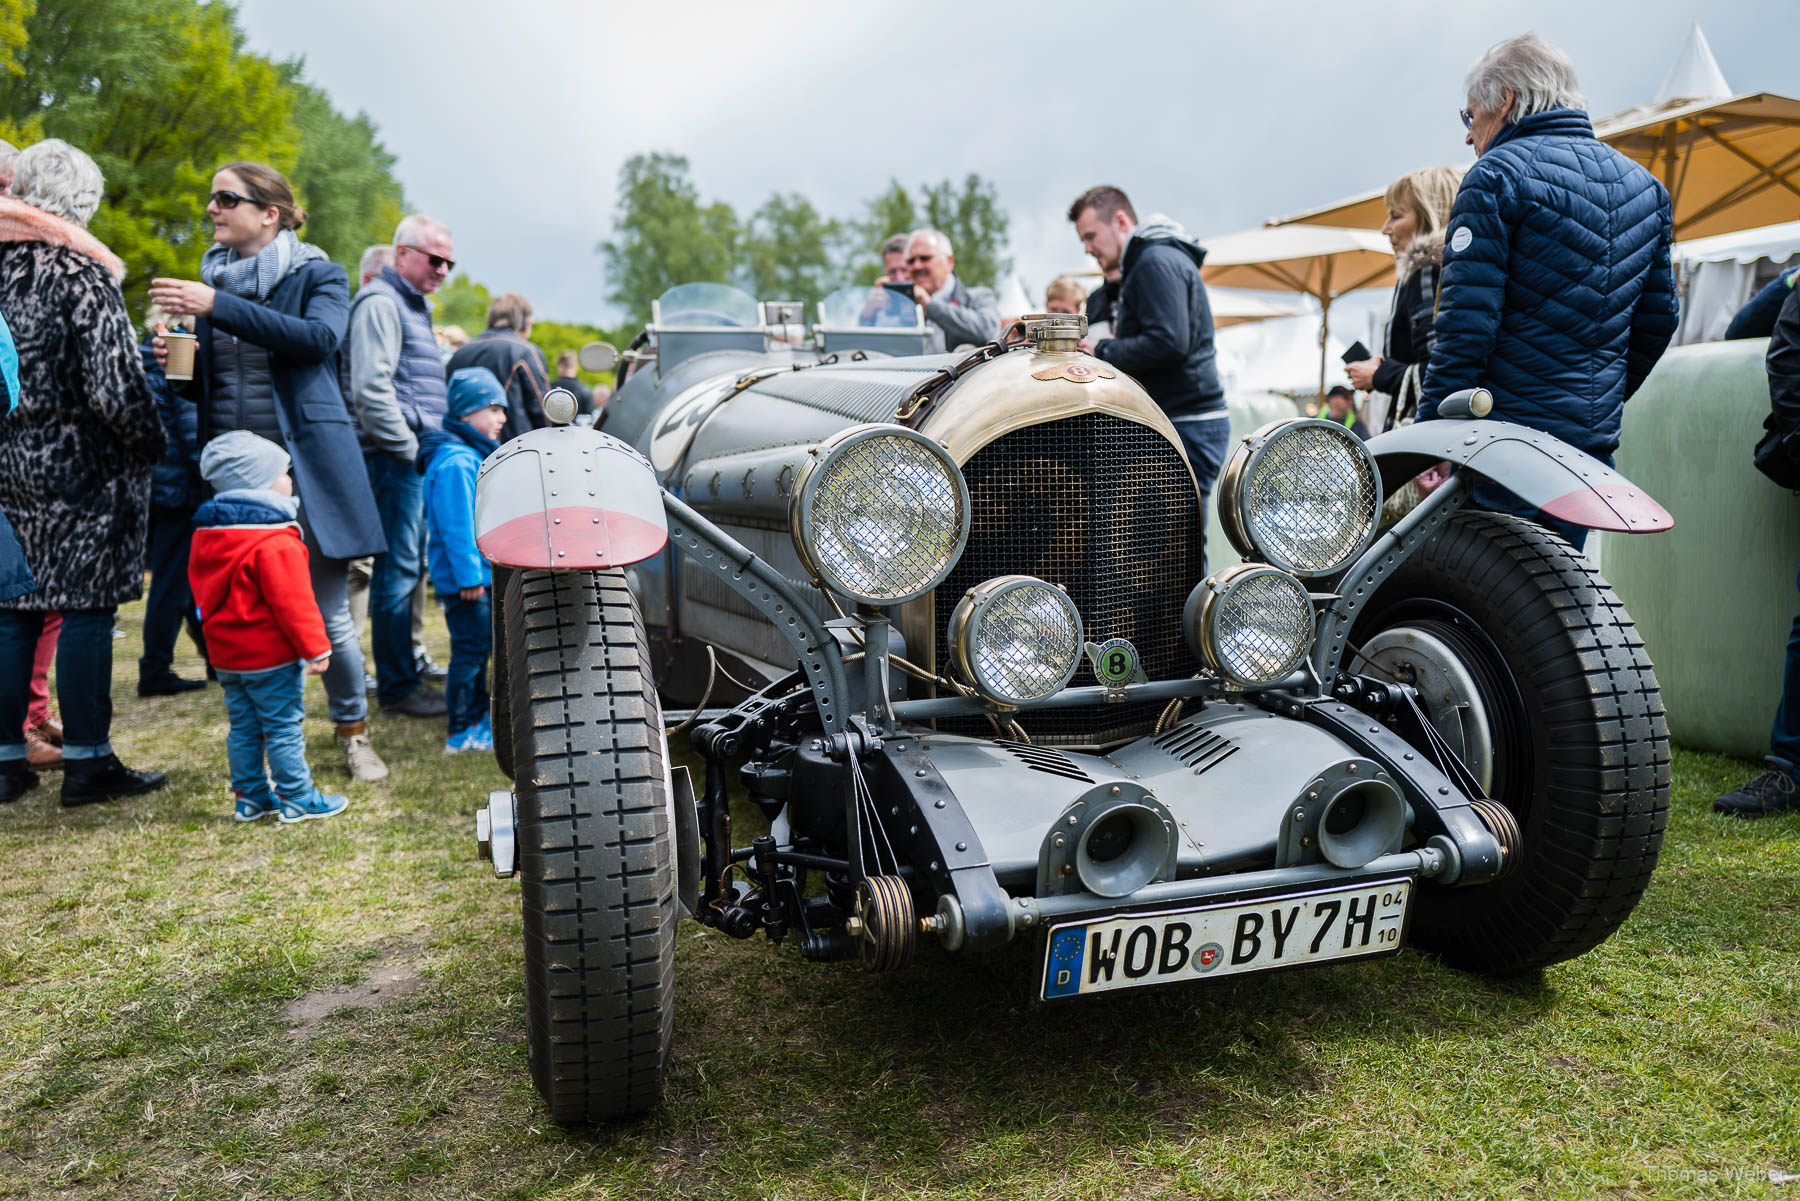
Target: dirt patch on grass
{"x":392,"y":975}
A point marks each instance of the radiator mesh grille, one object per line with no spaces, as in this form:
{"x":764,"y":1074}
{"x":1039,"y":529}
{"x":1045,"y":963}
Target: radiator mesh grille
{"x":1105,"y":508}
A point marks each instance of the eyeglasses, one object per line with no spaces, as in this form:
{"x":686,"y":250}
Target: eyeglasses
{"x":1468,"y":118}
{"x":438,"y":262}
{"x":920,"y":258}
{"x":228,"y":200}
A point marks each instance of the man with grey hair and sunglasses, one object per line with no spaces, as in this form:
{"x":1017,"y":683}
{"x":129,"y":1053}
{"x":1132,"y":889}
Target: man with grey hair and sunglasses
{"x":1557,"y":292}
{"x":397,"y":388}
{"x":955,"y":314}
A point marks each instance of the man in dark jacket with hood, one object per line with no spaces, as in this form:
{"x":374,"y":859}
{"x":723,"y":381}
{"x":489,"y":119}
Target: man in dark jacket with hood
{"x":1557,"y":291}
{"x":518,"y":364}
{"x":1162,"y":324}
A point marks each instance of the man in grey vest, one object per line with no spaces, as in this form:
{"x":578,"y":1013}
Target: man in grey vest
{"x":397,"y":387}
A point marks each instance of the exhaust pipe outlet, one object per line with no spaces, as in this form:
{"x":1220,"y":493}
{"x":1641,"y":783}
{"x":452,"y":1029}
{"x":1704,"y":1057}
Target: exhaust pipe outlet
{"x":1112,"y":841}
{"x":1350,"y":815}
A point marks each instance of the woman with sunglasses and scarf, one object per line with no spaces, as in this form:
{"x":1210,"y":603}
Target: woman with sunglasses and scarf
{"x":270,"y":313}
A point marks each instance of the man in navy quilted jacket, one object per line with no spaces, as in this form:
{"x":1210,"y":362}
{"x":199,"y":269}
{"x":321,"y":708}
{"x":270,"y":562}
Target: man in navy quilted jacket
{"x":1557,"y":293}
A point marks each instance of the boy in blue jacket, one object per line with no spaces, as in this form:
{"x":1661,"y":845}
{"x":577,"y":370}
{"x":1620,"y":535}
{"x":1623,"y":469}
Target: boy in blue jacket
{"x":449,"y":459}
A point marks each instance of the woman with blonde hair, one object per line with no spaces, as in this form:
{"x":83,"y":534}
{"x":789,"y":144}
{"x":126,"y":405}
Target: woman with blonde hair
{"x":1418,"y":208}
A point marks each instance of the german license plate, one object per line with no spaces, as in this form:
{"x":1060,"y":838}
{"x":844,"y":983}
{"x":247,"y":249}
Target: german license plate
{"x":1351,"y":921}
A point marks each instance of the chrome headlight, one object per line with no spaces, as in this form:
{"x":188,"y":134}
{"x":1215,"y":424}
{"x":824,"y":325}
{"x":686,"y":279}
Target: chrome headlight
{"x":880,"y":513}
{"x":1016,"y":638}
{"x":1301,"y":494}
{"x":1253,"y":624}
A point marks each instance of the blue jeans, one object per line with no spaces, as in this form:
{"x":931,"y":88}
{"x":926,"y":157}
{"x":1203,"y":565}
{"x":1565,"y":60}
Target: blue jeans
{"x":1486,"y":494}
{"x":83,"y":680}
{"x":266,"y":712}
{"x":1206,"y":439}
{"x":471,"y":639}
{"x":1784,"y":741}
{"x":344,"y":692}
{"x":400,"y":499}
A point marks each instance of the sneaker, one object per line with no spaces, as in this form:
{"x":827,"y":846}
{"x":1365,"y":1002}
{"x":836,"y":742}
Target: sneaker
{"x":248,"y":810}
{"x":360,"y":759}
{"x":16,"y":779}
{"x":470,"y":738}
{"x":319,"y":804}
{"x":1771,"y":792}
{"x":428,"y":669}
{"x":89,"y":781}
{"x":420,"y":702}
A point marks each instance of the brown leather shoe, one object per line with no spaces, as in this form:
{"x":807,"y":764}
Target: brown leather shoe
{"x":40,"y":754}
{"x":49,"y":730}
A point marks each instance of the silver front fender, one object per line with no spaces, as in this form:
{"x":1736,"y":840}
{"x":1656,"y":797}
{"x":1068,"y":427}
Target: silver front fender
{"x":567,"y":498}
{"x":1546,"y":472}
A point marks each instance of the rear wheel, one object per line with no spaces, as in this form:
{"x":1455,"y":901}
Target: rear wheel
{"x":596,"y":871}
{"x":1526,"y":662}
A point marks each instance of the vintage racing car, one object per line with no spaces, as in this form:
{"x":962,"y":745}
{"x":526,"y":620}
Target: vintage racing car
{"x":986,"y":692}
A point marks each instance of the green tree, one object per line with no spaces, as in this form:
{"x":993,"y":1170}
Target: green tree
{"x":970,"y":216}
{"x":462,"y":301}
{"x":888,"y":214}
{"x":663,"y":235}
{"x":975,"y":224}
{"x":13,"y":15}
{"x":346,"y":177}
{"x":787,"y":251}
{"x":555,"y":337}
{"x":163,"y":92}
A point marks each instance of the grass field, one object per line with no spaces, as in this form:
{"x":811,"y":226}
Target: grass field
{"x":194,"y":1009}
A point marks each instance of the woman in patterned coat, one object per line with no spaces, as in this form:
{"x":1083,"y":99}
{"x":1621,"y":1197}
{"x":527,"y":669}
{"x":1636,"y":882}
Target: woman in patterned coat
{"x":75,"y":459}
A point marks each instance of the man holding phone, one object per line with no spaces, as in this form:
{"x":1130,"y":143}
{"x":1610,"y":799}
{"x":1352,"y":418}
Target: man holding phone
{"x":957,"y":314}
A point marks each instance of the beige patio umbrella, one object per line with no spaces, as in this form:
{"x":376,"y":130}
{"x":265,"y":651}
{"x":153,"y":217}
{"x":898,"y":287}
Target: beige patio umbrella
{"x":1322,"y":262}
{"x":1235,"y":308}
{"x":1728,"y":164}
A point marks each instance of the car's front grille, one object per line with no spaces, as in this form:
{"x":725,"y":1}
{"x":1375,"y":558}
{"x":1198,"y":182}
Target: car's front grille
{"x":1105,"y":508}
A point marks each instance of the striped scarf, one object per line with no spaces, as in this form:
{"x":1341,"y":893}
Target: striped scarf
{"x":255,"y":277}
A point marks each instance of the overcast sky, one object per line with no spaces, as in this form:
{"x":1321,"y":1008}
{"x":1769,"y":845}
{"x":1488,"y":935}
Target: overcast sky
{"x":510,"y":121}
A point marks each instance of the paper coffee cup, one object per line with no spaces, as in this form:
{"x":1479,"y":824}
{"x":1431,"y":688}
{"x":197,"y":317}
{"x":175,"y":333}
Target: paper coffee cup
{"x":181,"y":355}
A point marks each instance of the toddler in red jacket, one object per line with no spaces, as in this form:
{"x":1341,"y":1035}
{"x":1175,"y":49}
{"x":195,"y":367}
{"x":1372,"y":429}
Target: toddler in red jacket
{"x":262,"y":625}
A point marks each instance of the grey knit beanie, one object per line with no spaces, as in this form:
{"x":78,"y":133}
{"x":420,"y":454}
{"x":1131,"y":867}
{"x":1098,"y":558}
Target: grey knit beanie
{"x":240,"y":460}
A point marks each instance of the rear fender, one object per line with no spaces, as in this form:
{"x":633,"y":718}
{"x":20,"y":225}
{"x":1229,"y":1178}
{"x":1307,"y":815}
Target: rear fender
{"x":568,"y":498}
{"x":1546,"y":472}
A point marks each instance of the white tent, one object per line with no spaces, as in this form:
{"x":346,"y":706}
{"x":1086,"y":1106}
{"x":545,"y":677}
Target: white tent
{"x":1718,"y":274}
{"x":1015,"y":299}
{"x":1696,"y":74}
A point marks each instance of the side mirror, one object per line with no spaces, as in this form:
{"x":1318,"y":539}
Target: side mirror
{"x":598,"y":357}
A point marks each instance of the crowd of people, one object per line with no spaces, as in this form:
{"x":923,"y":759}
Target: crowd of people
{"x":305,"y":466}
{"x":338,"y":437}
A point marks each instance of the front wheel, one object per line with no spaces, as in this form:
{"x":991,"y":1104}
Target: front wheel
{"x":1528,"y":665}
{"x":596,"y":873}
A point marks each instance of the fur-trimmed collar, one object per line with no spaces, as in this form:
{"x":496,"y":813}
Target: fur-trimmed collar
{"x":20,"y":222}
{"x":1419,"y":252}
